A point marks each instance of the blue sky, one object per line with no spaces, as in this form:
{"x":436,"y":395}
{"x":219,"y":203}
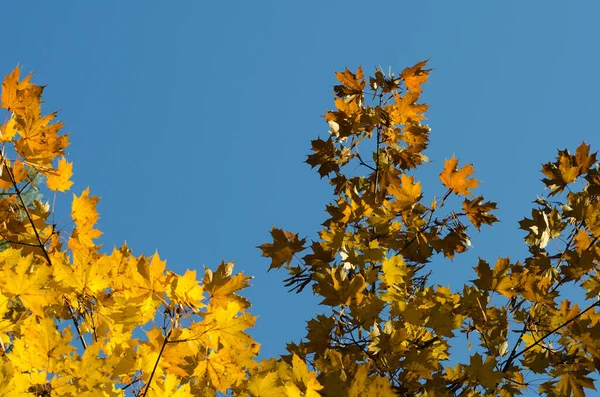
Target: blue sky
{"x":192,"y":119}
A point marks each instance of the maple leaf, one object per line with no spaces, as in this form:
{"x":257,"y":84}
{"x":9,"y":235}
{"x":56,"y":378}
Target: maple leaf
{"x":484,"y":373}
{"x":584,"y":160}
{"x":150,"y":276}
{"x":563,"y":171}
{"x":285,"y":246}
{"x":455,"y":241}
{"x":42,"y":347}
{"x":496,"y":280}
{"x":324,"y":156}
{"x":222,"y":327}
{"x":352,"y":83}
{"x":9,"y":130}
{"x":573,"y":383}
{"x":89,"y":277}
{"x":479,"y":212}
{"x":415,"y":76}
{"x":416,"y":136}
{"x":265,"y":386}
{"x":84,"y":209}
{"x":18,"y":96}
{"x":338,"y":289}
{"x":222,"y":287}
{"x":457,"y":180}
{"x":60,"y":180}
{"x":222,"y":368}
{"x":407,"y":194}
{"x":406,"y":109}
{"x":171,"y":386}
{"x":301,"y":375}
{"x":186,"y":290}
{"x":364,"y":385}
{"x":29,"y":281}
{"x":85,"y":216}
{"x":538,"y":228}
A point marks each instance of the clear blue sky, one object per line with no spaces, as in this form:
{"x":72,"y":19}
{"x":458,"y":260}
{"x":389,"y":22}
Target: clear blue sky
{"x":192,"y":119}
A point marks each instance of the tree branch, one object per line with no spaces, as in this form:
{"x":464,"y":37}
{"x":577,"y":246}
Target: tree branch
{"x":41,"y":245}
{"x":510,"y":360}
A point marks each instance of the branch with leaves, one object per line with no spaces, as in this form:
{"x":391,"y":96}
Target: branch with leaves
{"x":371,"y":260}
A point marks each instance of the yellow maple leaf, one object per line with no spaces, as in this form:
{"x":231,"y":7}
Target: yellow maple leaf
{"x":364,"y":385}
{"x":186,"y":290}
{"x":222,"y":287}
{"x":222,"y":327}
{"x":83,"y":211}
{"x":171,"y":386}
{"x":60,"y":179}
{"x":30,"y":283}
{"x":9,"y":130}
{"x":484,"y":373}
{"x":222,"y":368}
{"x":406,"y":194}
{"x":89,"y":277}
{"x":301,"y":374}
{"x":265,"y":385}
{"x":42,"y":347}
{"x":456,"y":179}
{"x":150,"y":277}
{"x":394,"y":271}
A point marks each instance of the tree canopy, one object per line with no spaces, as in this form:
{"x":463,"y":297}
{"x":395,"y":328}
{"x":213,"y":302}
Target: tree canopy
{"x":77,"y":321}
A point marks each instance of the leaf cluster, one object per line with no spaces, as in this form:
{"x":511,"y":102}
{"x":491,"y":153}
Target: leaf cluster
{"x":370,"y":264}
{"x":75,"y":321}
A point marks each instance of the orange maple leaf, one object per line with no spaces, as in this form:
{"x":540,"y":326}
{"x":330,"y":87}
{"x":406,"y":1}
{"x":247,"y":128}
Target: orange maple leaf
{"x":456,"y":179}
{"x":415,"y":76}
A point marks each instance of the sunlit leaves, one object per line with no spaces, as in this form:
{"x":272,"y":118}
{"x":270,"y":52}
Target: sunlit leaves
{"x":75,"y":320}
{"x":370,"y":263}
{"x":71,"y":317}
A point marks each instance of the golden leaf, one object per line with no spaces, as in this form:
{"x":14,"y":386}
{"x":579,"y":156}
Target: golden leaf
{"x":60,"y":179}
{"x":456,"y":179}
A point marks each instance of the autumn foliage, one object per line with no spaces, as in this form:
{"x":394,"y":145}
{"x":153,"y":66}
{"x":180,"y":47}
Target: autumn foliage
{"x":390,"y":329}
{"x":77,"y":321}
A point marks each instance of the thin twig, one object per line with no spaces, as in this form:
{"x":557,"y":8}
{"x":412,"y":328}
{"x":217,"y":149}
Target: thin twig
{"x":75,"y":323}
{"x":18,"y":192}
{"x":162,"y":349}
